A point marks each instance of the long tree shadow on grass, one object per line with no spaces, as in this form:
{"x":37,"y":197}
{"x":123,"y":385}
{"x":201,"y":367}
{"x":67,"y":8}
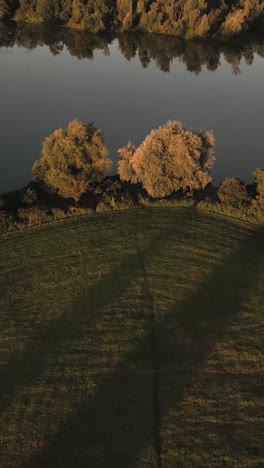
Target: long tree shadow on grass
{"x":25,"y":368}
{"x":116,"y":429}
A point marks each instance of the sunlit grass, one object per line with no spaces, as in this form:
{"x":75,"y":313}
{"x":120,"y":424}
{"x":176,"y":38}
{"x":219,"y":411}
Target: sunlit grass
{"x":132,"y":339}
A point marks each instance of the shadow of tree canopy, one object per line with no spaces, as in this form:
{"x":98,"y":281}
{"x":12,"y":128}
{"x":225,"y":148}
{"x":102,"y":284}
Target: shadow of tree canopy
{"x":48,"y":340}
{"x":25,"y":369}
{"x":162,"y":50}
{"x":122,"y":421}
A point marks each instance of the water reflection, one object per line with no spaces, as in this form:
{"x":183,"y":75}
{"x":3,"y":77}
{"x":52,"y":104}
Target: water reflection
{"x":151,"y":48}
{"x":127,"y":94}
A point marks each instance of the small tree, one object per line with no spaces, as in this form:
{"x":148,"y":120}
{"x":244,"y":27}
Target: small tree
{"x":259,"y":177}
{"x":125,"y":167}
{"x":258,"y":201}
{"x":233,"y":192}
{"x":72,"y":160}
{"x":170,"y":159}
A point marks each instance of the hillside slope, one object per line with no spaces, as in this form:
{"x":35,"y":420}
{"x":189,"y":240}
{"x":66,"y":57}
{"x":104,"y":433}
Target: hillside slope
{"x":132,"y":339}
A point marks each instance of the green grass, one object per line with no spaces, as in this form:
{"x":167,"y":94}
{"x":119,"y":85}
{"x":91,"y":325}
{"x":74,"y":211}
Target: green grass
{"x":133,"y":339}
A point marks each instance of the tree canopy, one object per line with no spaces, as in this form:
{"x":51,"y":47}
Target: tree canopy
{"x":259,"y":177}
{"x":72,"y":160}
{"x":233,"y":192}
{"x":184,"y":18}
{"x":170,"y":159}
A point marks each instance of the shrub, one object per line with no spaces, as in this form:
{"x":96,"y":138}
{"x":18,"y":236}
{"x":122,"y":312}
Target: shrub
{"x":72,"y":160}
{"x":79,"y":211}
{"x":34,"y":216}
{"x":176,"y":202}
{"x":259,"y":178}
{"x":58,"y":214}
{"x":242,"y":212}
{"x":125,"y":167}
{"x":114,"y":194}
{"x":170,"y":159}
{"x":102,"y":206}
{"x":233,"y":192}
{"x":29,"y":196}
{"x":257,"y":207}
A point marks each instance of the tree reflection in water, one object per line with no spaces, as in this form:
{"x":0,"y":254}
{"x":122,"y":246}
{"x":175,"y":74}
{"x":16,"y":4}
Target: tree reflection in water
{"x":148,"y":48}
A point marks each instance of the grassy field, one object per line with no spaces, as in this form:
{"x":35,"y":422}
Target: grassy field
{"x":133,"y":339}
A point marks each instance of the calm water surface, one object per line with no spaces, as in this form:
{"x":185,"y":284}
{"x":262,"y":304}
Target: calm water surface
{"x":127,"y":86}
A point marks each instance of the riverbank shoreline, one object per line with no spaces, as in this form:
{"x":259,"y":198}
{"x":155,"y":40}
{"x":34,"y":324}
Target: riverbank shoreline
{"x":32,"y":206}
{"x":215,"y":39}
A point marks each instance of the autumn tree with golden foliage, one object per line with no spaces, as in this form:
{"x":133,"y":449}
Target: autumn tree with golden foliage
{"x":124,"y":15}
{"x":233,"y":192}
{"x":184,"y":18}
{"x":259,"y":177}
{"x":170,"y":159}
{"x":258,"y":202}
{"x":72,"y":160}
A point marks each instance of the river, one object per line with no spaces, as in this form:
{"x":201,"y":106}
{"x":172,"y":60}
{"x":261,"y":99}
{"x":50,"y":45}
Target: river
{"x":127,"y":85}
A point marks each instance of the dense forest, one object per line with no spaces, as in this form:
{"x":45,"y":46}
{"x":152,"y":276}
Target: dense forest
{"x":184,"y":18}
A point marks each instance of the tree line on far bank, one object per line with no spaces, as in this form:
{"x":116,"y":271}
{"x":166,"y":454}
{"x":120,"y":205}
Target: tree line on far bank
{"x":183,"y":18}
{"x":171,"y":166}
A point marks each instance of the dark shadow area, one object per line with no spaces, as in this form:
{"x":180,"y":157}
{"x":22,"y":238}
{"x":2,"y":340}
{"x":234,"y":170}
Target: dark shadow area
{"x":26,"y":366}
{"x":113,"y":429}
